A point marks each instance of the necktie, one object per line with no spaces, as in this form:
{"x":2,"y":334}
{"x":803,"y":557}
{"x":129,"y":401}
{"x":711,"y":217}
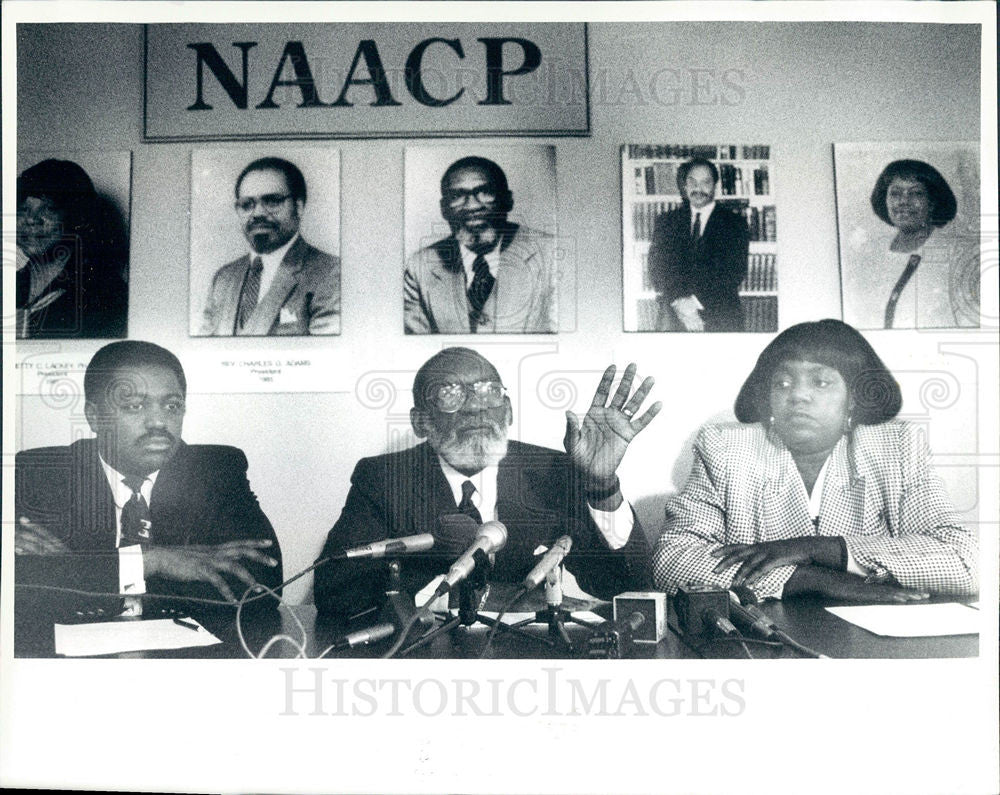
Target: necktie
{"x":696,"y":229}
{"x":480,"y":289}
{"x":890,"y":308}
{"x":136,"y":527}
{"x":466,"y":506}
{"x":250,"y":293}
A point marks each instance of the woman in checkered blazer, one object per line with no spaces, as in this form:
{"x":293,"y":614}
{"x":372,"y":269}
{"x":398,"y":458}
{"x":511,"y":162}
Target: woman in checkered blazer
{"x":817,"y":489}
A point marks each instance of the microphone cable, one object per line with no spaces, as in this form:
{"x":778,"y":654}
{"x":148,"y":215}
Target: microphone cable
{"x":405,"y":630}
{"x":493,"y":630}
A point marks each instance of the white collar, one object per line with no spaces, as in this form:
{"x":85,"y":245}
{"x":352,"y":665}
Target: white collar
{"x":485,"y":482}
{"x":273,"y":259}
{"x":122,"y":493}
{"x":704,"y":212}
{"x":816,"y":496}
{"x":469,"y":257}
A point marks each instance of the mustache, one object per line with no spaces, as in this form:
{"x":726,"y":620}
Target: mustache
{"x":156,"y":436}
{"x":494,"y":428}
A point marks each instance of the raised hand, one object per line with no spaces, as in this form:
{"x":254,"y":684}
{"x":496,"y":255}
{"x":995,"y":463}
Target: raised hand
{"x":31,"y":538}
{"x":197,"y":563}
{"x":597,"y":447}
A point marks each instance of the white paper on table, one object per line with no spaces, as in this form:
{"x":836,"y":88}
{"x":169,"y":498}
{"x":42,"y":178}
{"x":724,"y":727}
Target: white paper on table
{"x":112,"y":637}
{"x":912,"y":621}
{"x":513,"y":618}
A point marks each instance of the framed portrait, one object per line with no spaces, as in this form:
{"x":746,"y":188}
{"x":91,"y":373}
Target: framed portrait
{"x":699,"y":238}
{"x":908,"y":224}
{"x":265,"y":242}
{"x":72,"y":244}
{"x":480,"y":240}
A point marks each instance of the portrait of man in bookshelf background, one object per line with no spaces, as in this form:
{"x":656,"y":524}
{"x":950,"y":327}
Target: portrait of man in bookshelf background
{"x":699,"y":231}
{"x":908,"y":221}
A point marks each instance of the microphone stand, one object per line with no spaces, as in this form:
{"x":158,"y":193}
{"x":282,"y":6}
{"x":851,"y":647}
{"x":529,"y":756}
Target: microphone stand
{"x":554,"y":616}
{"x":469,"y":599}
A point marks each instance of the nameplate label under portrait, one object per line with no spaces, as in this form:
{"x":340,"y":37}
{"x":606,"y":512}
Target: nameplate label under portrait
{"x":57,"y":378}
{"x":364,"y":80}
{"x":265,"y":372}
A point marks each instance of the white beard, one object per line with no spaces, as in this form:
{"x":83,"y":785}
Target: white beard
{"x":472,"y":453}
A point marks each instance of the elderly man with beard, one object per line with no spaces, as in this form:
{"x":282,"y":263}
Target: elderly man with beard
{"x":468,"y":466}
{"x":490,"y":275}
{"x":283,"y":285}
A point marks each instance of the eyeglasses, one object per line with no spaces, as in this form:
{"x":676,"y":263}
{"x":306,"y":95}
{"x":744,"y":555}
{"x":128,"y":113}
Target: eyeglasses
{"x":449,"y":398}
{"x":269,"y":202}
{"x":456,"y":197}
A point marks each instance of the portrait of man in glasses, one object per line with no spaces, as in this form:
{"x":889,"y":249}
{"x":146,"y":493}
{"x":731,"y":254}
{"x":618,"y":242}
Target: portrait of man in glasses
{"x":282,"y":285}
{"x":490,"y":274}
{"x":468,"y":466}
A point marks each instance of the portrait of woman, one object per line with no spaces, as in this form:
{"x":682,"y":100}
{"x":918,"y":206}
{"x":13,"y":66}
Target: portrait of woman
{"x":817,"y":489}
{"x":910,"y":245}
{"x":71,"y":259}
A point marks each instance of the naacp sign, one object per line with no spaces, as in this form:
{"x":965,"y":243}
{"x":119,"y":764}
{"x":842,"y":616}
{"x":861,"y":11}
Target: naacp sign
{"x":266,"y":81}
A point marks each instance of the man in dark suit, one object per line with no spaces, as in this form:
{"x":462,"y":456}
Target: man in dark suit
{"x":135,"y":511}
{"x":283,"y":286}
{"x":467,"y":466}
{"x":698,"y":257}
{"x":490,"y":275}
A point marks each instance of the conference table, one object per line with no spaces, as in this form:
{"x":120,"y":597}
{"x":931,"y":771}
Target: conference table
{"x":804,"y":619}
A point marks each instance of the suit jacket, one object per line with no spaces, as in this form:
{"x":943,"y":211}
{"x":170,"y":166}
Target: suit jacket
{"x":201,"y":496}
{"x":880,"y":495}
{"x":711,"y":269}
{"x":304,"y":297}
{"x":539,"y":498}
{"x":523,"y":300}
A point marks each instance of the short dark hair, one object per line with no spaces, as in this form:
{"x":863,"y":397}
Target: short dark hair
{"x":444,"y":361}
{"x":685,"y":169}
{"x":504,"y":197}
{"x":98,"y":381}
{"x":874,"y":392}
{"x":66,"y":184}
{"x":293,"y":177}
{"x":944,"y":205}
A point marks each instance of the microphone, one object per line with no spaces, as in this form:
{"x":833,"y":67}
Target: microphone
{"x":717,"y":622}
{"x":548,"y":562}
{"x":613,"y":640}
{"x":391,"y":546}
{"x":750,"y":616}
{"x":364,"y":636}
{"x":490,"y":538}
{"x":748,"y":603}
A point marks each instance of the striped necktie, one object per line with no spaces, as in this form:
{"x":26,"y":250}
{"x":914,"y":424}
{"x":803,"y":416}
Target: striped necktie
{"x":136,"y":526}
{"x":480,"y":289}
{"x":250,"y":293}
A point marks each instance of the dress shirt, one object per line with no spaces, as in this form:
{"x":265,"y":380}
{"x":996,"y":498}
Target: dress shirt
{"x":131,"y":575}
{"x":469,"y":257}
{"x":271,"y":262}
{"x":615,"y":526}
{"x":703,"y":213}
{"x":688,"y":304}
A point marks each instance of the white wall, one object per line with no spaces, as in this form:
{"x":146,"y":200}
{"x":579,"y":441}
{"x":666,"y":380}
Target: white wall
{"x":796,"y":86}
